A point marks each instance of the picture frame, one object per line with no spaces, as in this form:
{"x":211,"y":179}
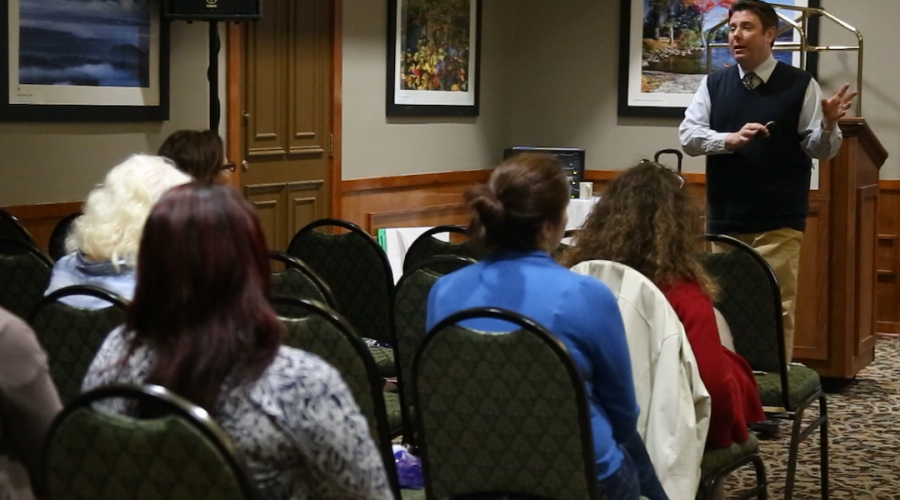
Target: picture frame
{"x":106,"y":63}
{"x":661,"y":63}
{"x":433,"y":72}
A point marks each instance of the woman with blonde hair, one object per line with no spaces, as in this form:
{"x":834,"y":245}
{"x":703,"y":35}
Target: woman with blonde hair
{"x":104,"y":241}
{"x":647,"y":221}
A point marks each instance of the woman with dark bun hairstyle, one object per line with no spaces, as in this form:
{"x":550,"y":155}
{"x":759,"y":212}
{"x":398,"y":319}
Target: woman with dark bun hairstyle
{"x":200,"y":154}
{"x":201,"y":326}
{"x":520,"y":216}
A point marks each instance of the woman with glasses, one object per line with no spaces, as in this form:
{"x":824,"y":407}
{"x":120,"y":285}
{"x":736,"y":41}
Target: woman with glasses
{"x":200,"y":154}
{"x":201,"y":326}
{"x":647,"y":221}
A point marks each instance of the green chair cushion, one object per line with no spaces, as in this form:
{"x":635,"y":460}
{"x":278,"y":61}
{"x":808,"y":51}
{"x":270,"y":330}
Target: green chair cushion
{"x":394,"y":413}
{"x":384,"y":360}
{"x":716,"y":458}
{"x":802,"y":382}
{"x":412,"y":494}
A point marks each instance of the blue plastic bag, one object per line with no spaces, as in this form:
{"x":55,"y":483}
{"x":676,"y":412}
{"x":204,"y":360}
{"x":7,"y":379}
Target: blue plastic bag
{"x":409,"y":469}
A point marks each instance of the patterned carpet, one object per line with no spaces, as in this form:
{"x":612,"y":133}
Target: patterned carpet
{"x":863,"y":438}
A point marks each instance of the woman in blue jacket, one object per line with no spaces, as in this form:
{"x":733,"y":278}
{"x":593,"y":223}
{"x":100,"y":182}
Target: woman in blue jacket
{"x":520,"y":215}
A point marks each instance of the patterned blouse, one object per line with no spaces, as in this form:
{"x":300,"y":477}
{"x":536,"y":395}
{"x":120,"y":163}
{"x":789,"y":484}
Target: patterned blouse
{"x":297,"y":426}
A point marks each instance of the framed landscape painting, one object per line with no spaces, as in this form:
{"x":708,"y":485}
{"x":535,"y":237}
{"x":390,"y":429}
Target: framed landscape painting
{"x":84,"y":60}
{"x":433,"y":57}
{"x":663,"y":54}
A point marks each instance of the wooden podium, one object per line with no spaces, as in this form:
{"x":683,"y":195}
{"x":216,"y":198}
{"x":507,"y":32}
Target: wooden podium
{"x":835,"y":329}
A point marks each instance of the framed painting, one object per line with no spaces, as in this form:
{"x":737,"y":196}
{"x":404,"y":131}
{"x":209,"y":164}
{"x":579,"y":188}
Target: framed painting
{"x":77,"y":60}
{"x":433,"y":56}
{"x":663,"y":53}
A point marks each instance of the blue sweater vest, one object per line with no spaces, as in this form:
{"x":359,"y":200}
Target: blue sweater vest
{"x":765,"y":185}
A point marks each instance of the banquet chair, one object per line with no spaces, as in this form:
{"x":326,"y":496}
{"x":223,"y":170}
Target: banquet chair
{"x":357,"y":270}
{"x":750,"y":301}
{"x":24,"y":275}
{"x":10,"y":228}
{"x":298,"y":280}
{"x":57,"y":247}
{"x":92,"y":454}
{"x":427,"y":246}
{"x":71,"y":336}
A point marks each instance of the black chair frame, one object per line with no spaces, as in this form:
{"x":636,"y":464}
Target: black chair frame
{"x":408,"y":421}
{"x":423,"y":239}
{"x":13,"y":222}
{"x":342,"y":325}
{"x":551,"y":342}
{"x":291,"y":262}
{"x":114,"y":299}
{"x":25,"y":247}
{"x":709,"y":483}
{"x":174,"y":404}
{"x":788,"y":410}
{"x":57,"y":246}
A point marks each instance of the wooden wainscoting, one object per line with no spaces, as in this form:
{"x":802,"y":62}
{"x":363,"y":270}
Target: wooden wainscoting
{"x":887,"y":258}
{"x":40,"y":220}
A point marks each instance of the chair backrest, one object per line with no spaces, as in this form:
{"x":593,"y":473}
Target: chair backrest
{"x":356,"y":269}
{"x":501,"y":413}
{"x":72,"y":335}
{"x":90,"y":454}
{"x":10,"y":228}
{"x":322,"y":331}
{"x":426,"y":246}
{"x":24,"y":275}
{"x":57,"y":247}
{"x":750,"y":301}
{"x":298,"y":280}
{"x":410,"y":309}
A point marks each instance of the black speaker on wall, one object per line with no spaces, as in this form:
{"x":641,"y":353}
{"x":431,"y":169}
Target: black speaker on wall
{"x":211,"y":10}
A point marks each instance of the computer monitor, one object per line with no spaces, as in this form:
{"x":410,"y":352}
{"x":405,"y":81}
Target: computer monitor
{"x":571,"y":158}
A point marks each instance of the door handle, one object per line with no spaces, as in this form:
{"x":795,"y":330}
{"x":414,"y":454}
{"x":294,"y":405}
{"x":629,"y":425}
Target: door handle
{"x":245,"y":165}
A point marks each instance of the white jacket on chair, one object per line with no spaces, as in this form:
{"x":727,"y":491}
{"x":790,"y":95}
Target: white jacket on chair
{"x":675,"y":406}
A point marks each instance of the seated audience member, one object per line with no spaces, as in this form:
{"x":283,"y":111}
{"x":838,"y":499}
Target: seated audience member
{"x":28,"y":404}
{"x":200,"y":154}
{"x":105,"y":240}
{"x":520,"y":216}
{"x":201,"y":326}
{"x":646,"y":221}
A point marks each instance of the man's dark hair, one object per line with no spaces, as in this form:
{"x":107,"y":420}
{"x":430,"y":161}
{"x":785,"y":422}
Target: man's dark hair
{"x":764,"y":11}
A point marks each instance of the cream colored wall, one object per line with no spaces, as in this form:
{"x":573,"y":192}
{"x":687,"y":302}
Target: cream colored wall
{"x":376,"y":146}
{"x":56,"y":162}
{"x":566,"y":81}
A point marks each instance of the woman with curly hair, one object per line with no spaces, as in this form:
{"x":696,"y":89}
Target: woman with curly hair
{"x":647,"y":221}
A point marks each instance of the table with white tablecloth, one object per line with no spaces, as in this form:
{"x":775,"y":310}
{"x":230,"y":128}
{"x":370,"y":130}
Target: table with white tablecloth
{"x":578,"y":210}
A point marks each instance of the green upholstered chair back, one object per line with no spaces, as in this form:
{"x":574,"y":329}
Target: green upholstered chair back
{"x":750,"y":301}
{"x":92,"y":455}
{"x":501,"y":413}
{"x":356,"y":269}
{"x":323,"y":332}
{"x":57,"y":246}
{"x":10,"y":228}
{"x":410,"y":309}
{"x":72,"y":335}
{"x":426,"y":247}
{"x":24,"y":276}
{"x":299,"y":281}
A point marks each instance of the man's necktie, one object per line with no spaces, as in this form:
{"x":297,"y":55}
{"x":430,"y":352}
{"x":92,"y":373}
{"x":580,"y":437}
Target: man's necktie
{"x":749,"y":80}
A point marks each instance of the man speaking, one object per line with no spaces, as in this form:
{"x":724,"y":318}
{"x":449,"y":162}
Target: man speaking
{"x":760,"y":122}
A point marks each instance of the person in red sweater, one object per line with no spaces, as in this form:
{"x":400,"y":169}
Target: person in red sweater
{"x":647,"y":221}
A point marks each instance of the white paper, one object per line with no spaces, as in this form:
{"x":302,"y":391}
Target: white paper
{"x":814,"y":178}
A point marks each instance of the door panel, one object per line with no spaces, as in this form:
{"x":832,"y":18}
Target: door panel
{"x":269,"y":201}
{"x":867,"y":235}
{"x":288,"y":114}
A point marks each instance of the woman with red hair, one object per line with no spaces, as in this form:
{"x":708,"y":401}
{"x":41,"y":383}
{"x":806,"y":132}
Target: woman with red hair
{"x":201,"y":326}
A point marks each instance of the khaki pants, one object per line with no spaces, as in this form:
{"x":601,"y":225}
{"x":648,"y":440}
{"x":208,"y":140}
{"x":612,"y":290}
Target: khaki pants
{"x":781,"y":249}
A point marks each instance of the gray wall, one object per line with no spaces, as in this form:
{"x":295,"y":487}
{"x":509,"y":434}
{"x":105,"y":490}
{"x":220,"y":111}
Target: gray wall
{"x":566,"y":80}
{"x":56,"y":162}
{"x":376,"y":146}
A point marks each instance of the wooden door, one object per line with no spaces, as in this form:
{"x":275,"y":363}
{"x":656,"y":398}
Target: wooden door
{"x":287,"y":122}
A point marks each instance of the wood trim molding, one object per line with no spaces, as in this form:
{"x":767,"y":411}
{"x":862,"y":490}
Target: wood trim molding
{"x":44,"y":210}
{"x":889,"y":184}
{"x":233,"y":105}
{"x":372,"y":218}
{"x":415,"y":180}
{"x":337,"y":109}
{"x":608,"y":175}
{"x":888,"y":327}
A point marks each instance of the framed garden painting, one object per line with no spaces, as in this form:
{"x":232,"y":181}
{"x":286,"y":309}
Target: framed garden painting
{"x":663,"y":54}
{"x":84,"y":60}
{"x":433,"y":57}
